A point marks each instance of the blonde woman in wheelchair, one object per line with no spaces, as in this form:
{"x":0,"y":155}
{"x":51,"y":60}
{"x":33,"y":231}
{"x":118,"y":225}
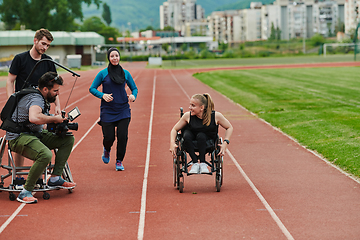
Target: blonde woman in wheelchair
{"x":200,"y":124}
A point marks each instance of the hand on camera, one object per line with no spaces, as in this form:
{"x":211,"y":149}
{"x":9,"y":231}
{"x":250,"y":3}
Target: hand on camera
{"x":58,"y":119}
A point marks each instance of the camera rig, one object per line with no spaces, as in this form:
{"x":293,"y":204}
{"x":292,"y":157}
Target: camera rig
{"x":62,"y":129}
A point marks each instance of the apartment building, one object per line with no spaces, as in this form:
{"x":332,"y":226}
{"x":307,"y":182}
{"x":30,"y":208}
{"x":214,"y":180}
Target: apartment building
{"x":326,"y":18}
{"x":293,"y":18}
{"x":235,"y":26}
{"x":270,"y":16}
{"x":216,"y":25}
{"x":352,"y":8}
{"x":297,"y":20}
{"x":250,"y":24}
{"x":176,"y":13}
{"x":196,"y":28}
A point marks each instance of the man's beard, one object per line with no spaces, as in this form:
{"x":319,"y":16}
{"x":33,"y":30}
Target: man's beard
{"x":38,"y":50}
{"x":50,"y":98}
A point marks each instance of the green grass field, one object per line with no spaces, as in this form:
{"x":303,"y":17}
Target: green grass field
{"x":320,"y":107}
{"x":203,"y":63}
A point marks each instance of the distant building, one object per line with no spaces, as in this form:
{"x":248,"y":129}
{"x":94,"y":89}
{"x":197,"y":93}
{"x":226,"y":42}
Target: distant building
{"x":270,"y":16}
{"x":233,"y":26}
{"x":65,"y":43}
{"x":326,"y":18}
{"x":297,"y":20}
{"x":196,"y":28}
{"x":352,"y":8}
{"x":251,"y":24}
{"x":176,"y":13}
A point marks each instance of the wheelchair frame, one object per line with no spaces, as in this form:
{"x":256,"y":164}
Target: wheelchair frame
{"x":180,"y":164}
{"x":13,"y":171}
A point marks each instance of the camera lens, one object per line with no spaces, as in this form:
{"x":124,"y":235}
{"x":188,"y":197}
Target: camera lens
{"x":73,"y":126}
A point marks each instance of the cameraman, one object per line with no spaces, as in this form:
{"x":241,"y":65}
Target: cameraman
{"x":36,"y":143}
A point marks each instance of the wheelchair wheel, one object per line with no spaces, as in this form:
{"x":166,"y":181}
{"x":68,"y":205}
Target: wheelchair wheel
{"x":175,"y":173}
{"x":177,"y":169}
{"x":181,"y":185}
{"x":180,"y":165}
{"x":178,"y":173}
{"x":219,"y":173}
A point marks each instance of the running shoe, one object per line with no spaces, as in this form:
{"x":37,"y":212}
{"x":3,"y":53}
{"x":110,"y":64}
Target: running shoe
{"x":119,"y":166}
{"x":61,"y":183}
{"x":195,"y":168}
{"x":26,"y":197}
{"x":106,"y":156}
{"x":204,"y":168}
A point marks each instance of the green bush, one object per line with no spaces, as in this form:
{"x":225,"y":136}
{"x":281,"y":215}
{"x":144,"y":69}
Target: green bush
{"x":317,"y":40}
{"x":264,"y":53}
{"x":206,"y":54}
{"x":228,"y":54}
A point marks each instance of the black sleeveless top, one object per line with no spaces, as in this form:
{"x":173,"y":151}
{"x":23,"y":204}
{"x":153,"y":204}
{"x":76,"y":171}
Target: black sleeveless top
{"x":196,"y":125}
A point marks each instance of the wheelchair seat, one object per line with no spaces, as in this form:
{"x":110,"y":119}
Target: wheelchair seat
{"x":210,"y":144}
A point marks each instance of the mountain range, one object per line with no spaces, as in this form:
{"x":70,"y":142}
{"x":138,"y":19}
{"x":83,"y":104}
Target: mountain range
{"x":138,"y":14}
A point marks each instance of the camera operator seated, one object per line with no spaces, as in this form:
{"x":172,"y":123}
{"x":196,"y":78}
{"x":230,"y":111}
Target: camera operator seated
{"x":36,"y":143}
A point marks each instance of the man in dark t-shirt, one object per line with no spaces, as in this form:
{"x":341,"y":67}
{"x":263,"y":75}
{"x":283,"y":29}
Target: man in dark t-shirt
{"x":22,"y":65}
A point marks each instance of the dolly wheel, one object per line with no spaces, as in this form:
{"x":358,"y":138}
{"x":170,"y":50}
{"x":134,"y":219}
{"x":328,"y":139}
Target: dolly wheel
{"x":12,"y":196}
{"x":46,"y":196}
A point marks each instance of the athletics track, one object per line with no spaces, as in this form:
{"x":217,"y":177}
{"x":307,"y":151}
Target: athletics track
{"x":273,"y":188}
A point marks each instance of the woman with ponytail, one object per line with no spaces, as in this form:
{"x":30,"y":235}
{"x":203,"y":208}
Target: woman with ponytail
{"x":115,"y":110}
{"x":201,"y":124}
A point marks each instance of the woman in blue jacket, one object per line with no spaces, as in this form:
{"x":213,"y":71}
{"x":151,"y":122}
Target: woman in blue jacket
{"x":115,"y":110}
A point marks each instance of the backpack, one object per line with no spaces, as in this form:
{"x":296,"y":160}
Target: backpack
{"x":6,"y":113}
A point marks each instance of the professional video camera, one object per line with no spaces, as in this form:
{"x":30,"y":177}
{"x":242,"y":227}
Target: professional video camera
{"x":62,"y":129}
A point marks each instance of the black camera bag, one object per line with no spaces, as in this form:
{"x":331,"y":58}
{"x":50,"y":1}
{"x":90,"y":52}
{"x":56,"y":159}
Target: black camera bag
{"x":7,"y":123}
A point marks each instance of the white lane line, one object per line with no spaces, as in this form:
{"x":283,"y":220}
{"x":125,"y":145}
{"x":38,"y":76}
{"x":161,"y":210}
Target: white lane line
{"x":8,"y":221}
{"x":79,"y":100}
{"x":88,"y":131}
{"x":146,"y":173}
{"x":22,"y":205}
{"x":262,"y":199}
{"x":175,"y":79}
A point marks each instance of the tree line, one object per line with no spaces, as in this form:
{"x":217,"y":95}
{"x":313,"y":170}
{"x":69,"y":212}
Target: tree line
{"x":60,"y":15}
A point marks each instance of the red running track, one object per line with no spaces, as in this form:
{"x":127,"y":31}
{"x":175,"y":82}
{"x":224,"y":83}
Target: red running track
{"x":273,"y":188}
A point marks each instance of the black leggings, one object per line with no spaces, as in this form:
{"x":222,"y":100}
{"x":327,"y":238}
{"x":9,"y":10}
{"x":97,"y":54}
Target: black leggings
{"x":108,"y":130}
{"x":189,"y":137}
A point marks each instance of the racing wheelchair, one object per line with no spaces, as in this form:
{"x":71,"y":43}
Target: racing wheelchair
{"x":13,"y":171}
{"x":181,"y":165}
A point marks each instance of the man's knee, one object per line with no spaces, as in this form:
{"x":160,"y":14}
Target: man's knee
{"x":44,"y":155}
{"x":71,"y":140}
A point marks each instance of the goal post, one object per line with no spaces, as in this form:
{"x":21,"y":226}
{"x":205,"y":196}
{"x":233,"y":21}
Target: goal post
{"x":340,"y":47}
